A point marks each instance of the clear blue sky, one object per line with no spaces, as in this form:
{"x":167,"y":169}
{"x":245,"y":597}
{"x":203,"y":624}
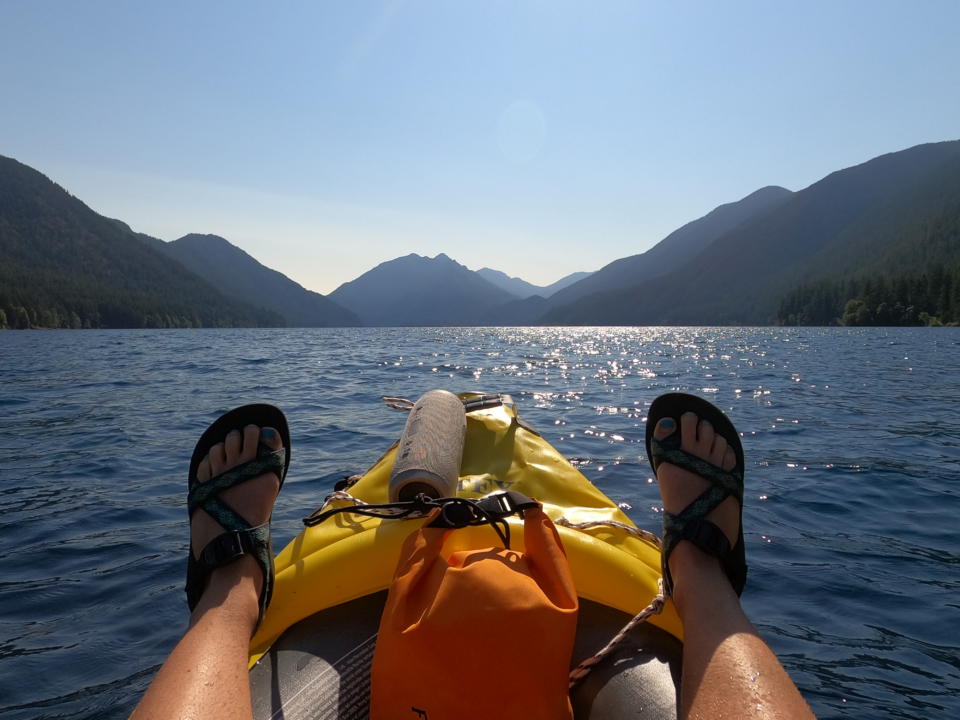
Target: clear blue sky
{"x":539,"y":138}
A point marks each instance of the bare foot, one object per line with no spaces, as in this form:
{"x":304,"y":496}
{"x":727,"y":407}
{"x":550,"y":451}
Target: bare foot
{"x":680,"y":487}
{"x":252,"y":499}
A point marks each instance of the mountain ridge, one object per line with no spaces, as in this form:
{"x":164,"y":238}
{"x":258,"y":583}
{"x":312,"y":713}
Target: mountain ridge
{"x":238,"y":275}
{"x":413,"y":290}
{"x":675,"y":248}
{"x":523,"y":289}
{"x":740,"y":277}
{"x":64,"y":265}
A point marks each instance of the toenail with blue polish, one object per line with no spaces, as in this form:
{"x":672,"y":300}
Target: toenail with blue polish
{"x":267,"y":434}
{"x":667,"y":424}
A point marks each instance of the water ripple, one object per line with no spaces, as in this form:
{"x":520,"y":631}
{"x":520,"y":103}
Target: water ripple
{"x":852,"y":441}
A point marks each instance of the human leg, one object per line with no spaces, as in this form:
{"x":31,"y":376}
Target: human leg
{"x":728,"y":670}
{"x":206,"y":674}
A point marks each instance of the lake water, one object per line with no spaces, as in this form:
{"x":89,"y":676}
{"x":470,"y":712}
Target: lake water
{"x":852,"y":439}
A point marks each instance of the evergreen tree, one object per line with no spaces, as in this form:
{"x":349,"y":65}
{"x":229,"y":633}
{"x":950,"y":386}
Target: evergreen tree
{"x":931,"y":297}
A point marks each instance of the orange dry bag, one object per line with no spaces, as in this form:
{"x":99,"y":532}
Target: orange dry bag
{"x":485,"y":633}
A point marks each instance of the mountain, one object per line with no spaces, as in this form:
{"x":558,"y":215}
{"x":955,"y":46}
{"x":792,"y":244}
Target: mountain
{"x":237,"y":275}
{"x":522,"y":289}
{"x":63,"y":265}
{"x":878,"y":242}
{"x":516,"y":312}
{"x":676,"y":248}
{"x":564,"y":282}
{"x":420,"y":291}
{"x":871,"y":217}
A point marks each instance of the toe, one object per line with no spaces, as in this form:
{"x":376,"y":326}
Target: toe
{"x":705,"y":436}
{"x":729,"y":459}
{"x":271,"y":438}
{"x":232,"y":446}
{"x":719,"y":450}
{"x":688,"y":431}
{"x":251,"y":439}
{"x":218,"y":459}
{"x":664,"y":428}
{"x":203,"y":469}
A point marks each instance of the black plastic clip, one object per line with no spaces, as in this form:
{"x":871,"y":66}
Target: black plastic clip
{"x":507,"y":503}
{"x":492,"y":510}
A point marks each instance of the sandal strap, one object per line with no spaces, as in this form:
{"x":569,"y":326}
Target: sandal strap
{"x":702,"y":533}
{"x":226,"y":516}
{"x":230,"y":546}
{"x":267,"y":460}
{"x":704,"y":504}
{"x":668,"y":451}
{"x":691,"y":523}
{"x":239,"y":538}
{"x":224,"y":549}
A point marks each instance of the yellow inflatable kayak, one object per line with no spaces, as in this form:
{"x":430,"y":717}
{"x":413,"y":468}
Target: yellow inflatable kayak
{"x":311,"y":655}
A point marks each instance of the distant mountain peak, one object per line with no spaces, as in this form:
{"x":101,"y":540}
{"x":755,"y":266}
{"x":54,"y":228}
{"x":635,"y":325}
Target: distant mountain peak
{"x":767,"y":189}
{"x":523,"y":289}
{"x":203,"y":237}
{"x":420,"y":291}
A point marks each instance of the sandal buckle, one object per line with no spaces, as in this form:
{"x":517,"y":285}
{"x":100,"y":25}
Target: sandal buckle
{"x":223,"y":549}
{"x":708,"y":537}
{"x":232,"y":546}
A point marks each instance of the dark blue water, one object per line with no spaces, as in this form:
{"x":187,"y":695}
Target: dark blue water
{"x":853,"y":452}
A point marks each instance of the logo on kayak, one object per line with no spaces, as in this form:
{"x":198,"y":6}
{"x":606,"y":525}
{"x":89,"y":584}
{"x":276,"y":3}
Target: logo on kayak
{"x":420,"y":713}
{"x":482,"y":484}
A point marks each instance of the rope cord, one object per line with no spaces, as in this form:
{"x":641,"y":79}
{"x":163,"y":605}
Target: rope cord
{"x":654,"y":608}
{"x":341,"y":495}
{"x":636,"y":532}
{"x":414,"y":509}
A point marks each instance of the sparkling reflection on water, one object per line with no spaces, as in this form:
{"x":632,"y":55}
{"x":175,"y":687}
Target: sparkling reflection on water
{"x":852,"y":440}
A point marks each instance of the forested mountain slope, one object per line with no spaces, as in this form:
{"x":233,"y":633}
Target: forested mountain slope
{"x":875,"y":243}
{"x":675,"y":249}
{"x":900,"y":266}
{"x":63,"y":265}
{"x":868,"y":216}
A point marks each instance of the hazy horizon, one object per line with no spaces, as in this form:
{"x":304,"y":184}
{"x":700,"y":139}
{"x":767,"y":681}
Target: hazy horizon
{"x":534,"y":138}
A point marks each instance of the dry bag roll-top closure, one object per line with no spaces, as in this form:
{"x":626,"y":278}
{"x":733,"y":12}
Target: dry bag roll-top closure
{"x":485,"y":632}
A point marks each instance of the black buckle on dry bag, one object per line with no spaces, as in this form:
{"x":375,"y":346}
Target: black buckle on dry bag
{"x":492,"y":510}
{"x":455,"y":512}
{"x":507,"y":503}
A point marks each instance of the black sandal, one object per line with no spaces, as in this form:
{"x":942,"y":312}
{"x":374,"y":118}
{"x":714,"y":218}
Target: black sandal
{"x":239,"y":537}
{"x":691,"y":523}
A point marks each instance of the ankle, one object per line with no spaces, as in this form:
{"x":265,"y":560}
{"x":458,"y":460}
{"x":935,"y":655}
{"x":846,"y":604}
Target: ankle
{"x":697,"y":578}
{"x":233,"y":592}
